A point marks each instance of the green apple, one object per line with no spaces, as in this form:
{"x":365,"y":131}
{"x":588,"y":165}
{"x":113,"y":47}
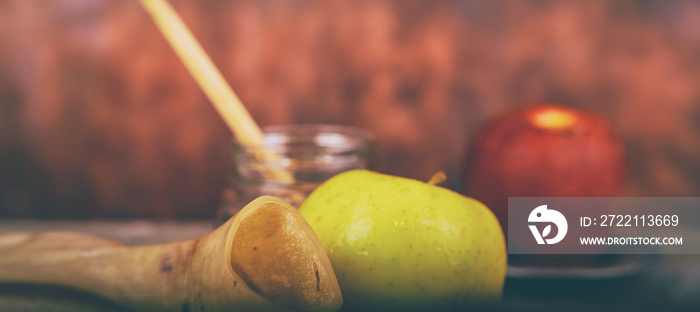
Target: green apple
{"x":398,"y":243}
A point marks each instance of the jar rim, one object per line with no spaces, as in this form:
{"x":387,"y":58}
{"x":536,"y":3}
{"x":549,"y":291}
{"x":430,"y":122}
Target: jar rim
{"x":336,"y":137}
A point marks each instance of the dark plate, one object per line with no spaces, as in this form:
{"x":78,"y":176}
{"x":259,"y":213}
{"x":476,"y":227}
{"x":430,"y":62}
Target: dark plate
{"x":581,"y":266}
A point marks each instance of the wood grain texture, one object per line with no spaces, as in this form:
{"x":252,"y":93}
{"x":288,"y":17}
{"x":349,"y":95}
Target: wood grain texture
{"x":98,"y":117}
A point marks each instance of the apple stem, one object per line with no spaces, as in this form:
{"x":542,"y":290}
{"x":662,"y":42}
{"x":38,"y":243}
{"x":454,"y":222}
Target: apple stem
{"x":437,"y":178}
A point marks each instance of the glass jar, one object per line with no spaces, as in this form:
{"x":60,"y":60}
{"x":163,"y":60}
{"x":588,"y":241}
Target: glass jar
{"x":300,"y":158}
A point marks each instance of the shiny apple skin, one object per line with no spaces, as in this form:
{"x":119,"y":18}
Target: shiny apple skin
{"x":512,"y":156}
{"x":398,"y":244}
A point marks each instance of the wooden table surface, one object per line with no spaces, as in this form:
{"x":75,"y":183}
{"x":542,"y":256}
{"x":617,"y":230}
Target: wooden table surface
{"x":672,"y":284}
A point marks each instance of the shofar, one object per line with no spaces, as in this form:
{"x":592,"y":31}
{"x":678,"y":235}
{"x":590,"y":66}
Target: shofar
{"x":266,"y":258}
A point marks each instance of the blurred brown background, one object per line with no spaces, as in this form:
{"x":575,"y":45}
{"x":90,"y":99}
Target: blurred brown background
{"x":98,"y":117}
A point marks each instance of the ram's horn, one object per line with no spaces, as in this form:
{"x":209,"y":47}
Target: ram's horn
{"x":266,"y":258}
